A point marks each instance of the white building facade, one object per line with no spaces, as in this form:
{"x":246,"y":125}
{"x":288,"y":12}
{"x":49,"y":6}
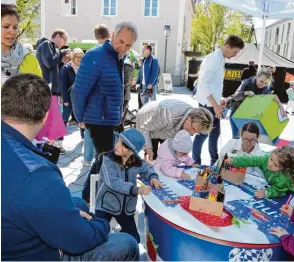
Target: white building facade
{"x":10,"y":2}
{"x":279,"y":38}
{"x":79,"y":17}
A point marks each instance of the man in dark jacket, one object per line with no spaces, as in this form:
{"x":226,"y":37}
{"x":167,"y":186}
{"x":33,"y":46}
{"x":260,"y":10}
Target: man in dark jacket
{"x":148,"y":76}
{"x":249,"y":71}
{"x":97,"y":94}
{"x":49,"y":57}
{"x":39,"y":220}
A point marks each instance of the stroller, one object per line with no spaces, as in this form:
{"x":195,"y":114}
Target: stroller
{"x":128,"y":119}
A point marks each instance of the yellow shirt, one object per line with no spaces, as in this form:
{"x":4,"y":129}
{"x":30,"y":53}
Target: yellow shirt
{"x":30,"y":65}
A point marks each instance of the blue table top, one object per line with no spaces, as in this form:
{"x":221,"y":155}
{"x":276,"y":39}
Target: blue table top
{"x":256,"y":216}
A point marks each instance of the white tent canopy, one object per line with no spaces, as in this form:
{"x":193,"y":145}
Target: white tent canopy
{"x":265,"y":9}
{"x":269,"y":9}
{"x":269,"y":58}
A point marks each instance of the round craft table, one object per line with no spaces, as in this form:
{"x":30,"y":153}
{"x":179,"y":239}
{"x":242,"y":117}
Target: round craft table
{"x":173,"y":234}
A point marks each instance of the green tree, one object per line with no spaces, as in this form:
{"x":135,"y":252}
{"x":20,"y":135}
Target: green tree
{"x":213,"y":23}
{"x":241,"y":25}
{"x":29,"y":11}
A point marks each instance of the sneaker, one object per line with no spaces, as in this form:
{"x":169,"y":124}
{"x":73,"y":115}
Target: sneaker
{"x":86,"y":163}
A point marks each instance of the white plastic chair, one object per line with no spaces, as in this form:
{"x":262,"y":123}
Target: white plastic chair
{"x":114,"y":227}
{"x":93,"y":181}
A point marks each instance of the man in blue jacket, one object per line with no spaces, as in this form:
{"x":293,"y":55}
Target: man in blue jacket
{"x":39,"y":220}
{"x":98,"y":91}
{"x":147,"y":79}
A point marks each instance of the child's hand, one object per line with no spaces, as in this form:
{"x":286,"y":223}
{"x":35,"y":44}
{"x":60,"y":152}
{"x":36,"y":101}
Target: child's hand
{"x":229,"y":161}
{"x":278,"y":231}
{"x":144,"y":190}
{"x":195,"y":165}
{"x":287,"y":210}
{"x":156,"y":183}
{"x":185,"y":176}
{"x":259,"y":194}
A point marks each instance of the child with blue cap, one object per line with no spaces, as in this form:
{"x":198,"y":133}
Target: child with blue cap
{"x":117,"y":186}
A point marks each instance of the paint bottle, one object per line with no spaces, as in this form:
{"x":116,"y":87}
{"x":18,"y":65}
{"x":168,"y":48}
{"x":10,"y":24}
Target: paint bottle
{"x":220,"y":196}
{"x":219,"y":179}
{"x":196,"y":191}
{"x":214,"y":180}
{"x":201,"y":194}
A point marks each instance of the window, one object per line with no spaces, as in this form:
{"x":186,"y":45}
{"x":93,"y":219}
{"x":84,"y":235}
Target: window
{"x":270,"y":38}
{"x":109,"y":7}
{"x":278,"y":49}
{"x":277,"y":35}
{"x":152,"y":43}
{"x":288,"y":32}
{"x":151,"y":8}
{"x":69,"y":7}
{"x":284,"y":53}
{"x":282,"y":38}
{"x":266,"y":38}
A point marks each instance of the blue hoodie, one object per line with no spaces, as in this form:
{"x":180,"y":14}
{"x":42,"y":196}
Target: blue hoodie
{"x":49,"y":57}
{"x":38,"y":215}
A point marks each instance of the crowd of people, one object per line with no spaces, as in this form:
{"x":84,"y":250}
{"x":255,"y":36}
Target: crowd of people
{"x":39,"y":95}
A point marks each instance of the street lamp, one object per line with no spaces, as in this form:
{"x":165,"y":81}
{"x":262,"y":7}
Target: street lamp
{"x":167,"y":31}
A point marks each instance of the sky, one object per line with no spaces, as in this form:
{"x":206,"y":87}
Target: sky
{"x":258,"y":26}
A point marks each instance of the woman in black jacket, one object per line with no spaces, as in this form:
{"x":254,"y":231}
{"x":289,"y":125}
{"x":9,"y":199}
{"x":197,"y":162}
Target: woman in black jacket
{"x":256,"y":85}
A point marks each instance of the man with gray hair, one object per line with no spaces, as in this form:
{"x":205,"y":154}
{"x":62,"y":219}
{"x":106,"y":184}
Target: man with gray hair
{"x":98,"y":91}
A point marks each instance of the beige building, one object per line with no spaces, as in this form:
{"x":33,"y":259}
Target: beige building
{"x":78,"y":18}
{"x":8,"y":2}
{"x":279,"y":37}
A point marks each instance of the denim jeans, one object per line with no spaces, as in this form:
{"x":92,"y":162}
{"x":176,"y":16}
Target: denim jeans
{"x":144,"y":97}
{"x":127,"y":223}
{"x":66,"y":112}
{"x":212,"y":142}
{"x":119,"y":247}
{"x":88,"y":147}
{"x":235,"y":129}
